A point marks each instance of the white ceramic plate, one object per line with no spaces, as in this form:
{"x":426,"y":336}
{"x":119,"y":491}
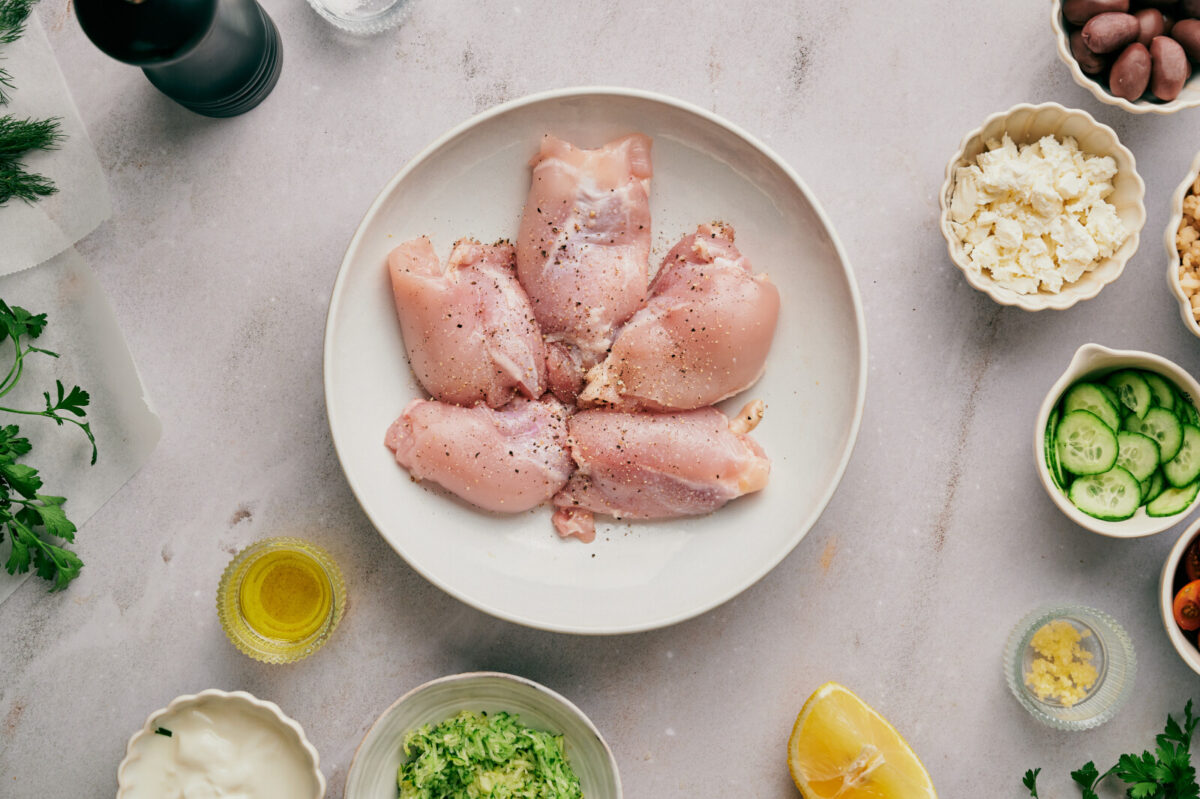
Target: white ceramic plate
{"x":373,"y":773}
{"x":635,"y":576}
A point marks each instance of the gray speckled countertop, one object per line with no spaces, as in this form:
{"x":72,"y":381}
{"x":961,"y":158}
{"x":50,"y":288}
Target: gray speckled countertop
{"x":219,"y":259}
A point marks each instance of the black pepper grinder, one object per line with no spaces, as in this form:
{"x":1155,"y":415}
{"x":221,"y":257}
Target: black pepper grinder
{"x":219,"y":58}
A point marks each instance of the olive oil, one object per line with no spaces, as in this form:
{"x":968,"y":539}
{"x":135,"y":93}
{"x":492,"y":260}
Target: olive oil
{"x":280,"y":599}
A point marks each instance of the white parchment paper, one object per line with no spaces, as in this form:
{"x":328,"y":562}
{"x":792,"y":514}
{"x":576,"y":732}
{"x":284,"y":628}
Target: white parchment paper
{"x":83,"y":330}
{"x":33,"y":233}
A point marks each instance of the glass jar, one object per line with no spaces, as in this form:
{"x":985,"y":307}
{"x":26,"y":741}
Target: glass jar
{"x":280,"y":599}
{"x":1100,"y":642}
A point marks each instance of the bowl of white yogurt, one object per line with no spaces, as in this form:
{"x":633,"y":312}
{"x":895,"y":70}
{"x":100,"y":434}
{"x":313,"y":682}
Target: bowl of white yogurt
{"x":220,"y":744}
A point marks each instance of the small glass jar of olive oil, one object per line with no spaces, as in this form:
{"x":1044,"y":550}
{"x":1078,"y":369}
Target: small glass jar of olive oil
{"x":280,"y":599}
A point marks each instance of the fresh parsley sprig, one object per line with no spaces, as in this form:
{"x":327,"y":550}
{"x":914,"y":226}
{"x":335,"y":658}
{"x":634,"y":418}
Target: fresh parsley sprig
{"x":31,"y":519}
{"x":1167,"y":773}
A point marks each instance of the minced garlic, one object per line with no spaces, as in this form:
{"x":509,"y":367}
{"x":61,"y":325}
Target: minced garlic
{"x":1062,"y":670}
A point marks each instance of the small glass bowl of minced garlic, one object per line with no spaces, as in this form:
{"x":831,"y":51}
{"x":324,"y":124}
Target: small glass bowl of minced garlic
{"x":280,"y":599}
{"x":1070,"y":666}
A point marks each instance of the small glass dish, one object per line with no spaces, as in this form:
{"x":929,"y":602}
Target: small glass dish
{"x":362,"y":17}
{"x":280,"y":599}
{"x":1111,"y":654}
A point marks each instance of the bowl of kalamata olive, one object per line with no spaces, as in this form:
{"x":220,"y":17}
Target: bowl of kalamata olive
{"x":1135,"y":54}
{"x":1179,"y":596}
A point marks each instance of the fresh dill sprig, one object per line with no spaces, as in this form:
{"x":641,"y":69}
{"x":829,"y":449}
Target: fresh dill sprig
{"x":20,"y":136}
{"x":13,"y":15}
{"x":27,"y":186}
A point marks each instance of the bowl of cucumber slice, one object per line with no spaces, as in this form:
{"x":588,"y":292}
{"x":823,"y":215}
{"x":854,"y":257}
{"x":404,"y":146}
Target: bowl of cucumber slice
{"x":1117,"y":442}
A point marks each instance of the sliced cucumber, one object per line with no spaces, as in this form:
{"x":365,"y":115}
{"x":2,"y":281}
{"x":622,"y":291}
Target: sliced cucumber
{"x":1132,"y":389}
{"x":1138,"y":454}
{"x":1173,"y":500}
{"x":1085,"y":444}
{"x":1162,"y":393}
{"x":1157,"y":484}
{"x":1089,"y":397}
{"x":1113,"y":495}
{"x":1161,"y":425}
{"x":1185,"y":466}
{"x":1186,"y":411}
{"x":1111,"y":396}
{"x":1048,"y":450}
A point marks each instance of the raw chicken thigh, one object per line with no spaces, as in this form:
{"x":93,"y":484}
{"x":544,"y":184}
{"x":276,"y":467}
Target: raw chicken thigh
{"x":506,"y":460}
{"x":469,"y":331}
{"x":657,"y":465}
{"x":583,"y":249}
{"x":702,"y":336}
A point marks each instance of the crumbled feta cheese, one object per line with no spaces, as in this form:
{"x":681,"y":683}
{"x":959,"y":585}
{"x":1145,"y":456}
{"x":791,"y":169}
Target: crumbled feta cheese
{"x":1035,"y":217}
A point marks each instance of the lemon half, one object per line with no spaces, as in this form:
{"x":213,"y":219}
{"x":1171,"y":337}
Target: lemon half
{"x":840,"y":748}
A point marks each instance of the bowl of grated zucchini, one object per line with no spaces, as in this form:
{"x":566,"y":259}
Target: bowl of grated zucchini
{"x":1117,"y":442}
{"x":486,"y":718}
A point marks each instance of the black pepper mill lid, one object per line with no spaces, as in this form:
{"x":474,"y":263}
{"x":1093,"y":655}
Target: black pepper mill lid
{"x":219,"y":58}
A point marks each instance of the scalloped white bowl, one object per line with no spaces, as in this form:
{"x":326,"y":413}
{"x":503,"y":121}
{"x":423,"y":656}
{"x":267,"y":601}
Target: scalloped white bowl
{"x":1025,"y":124}
{"x":270,"y":710}
{"x":372,"y":774}
{"x":1173,"y":260}
{"x":1189,"y":97}
{"x":1093,"y":360}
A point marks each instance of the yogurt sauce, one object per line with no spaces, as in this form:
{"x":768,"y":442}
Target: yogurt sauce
{"x":219,"y":749}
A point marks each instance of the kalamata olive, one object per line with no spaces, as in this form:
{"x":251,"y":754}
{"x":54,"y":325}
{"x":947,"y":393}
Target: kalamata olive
{"x":1089,"y":62}
{"x":1168,"y":24}
{"x":1078,"y":12}
{"x":1169,"y":68}
{"x":1157,"y":3}
{"x":1152,"y":24}
{"x":1187,"y":33}
{"x":1189,"y":8}
{"x":1130,"y":72}
{"x":1110,"y":31}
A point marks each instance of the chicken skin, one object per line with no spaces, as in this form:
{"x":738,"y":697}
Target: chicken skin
{"x":657,"y":465}
{"x":583,"y":249}
{"x":702,"y":336}
{"x":507,"y":460}
{"x":469,"y":331}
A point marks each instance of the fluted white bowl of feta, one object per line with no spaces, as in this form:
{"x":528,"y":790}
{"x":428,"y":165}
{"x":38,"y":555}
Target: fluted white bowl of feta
{"x":1042,"y":207}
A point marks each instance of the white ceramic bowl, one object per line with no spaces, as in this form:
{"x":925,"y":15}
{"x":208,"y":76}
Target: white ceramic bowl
{"x":269,"y":710}
{"x":373,"y":772}
{"x":1168,"y":584}
{"x":1189,"y":97}
{"x":635,"y":576}
{"x":1026,"y":124}
{"x":1093,"y":361}
{"x":1173,"y":259}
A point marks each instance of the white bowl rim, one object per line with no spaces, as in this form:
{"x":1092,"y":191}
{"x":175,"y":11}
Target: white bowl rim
{"x":237,"y":696}
{"x":1166,"y":599}
{"x":1173,"y":259}
{"x":1062,"y":38}
{"x":1119,"y":529}
{"x":467,"y":676}
{"x":1036,"y":302}
{"x":818,"y":211}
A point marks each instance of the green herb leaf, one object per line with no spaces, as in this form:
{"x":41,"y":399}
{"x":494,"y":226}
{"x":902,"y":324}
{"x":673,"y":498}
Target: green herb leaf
{"x":1030,"y":781}
{"x":1167,"y":773}
{"x":163,"y":731}
{"x":33,"y":521}
{"x":13,"y":14}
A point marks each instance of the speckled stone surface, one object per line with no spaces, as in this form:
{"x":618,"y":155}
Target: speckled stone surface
{"x":219,"y":259}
